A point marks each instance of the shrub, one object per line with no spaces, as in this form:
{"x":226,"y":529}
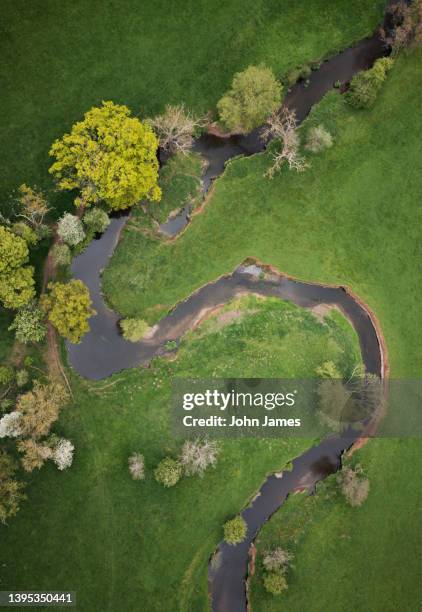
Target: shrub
{"x":134,"y":329}
{"x":354,"y":486}
{"x":198,"y":455}
{"x":318,"y":139}
{"x":28,"y":324}
{"x":276,"y":560}
{"x":22,"y":378}
{"x":275,"y":583}
{"x":70,"y":229}
{"x":20,"y":228}
{"x":7,"y":375}
{"x":62,"y":453}
{"x":235,"y":530}
{"x":137,"y":466}
{"x":254,"y":95}
{"x":96,"y":220}
{"x":365,"y":86}
{"x":61,"y":254}
{"x":168,"y":472}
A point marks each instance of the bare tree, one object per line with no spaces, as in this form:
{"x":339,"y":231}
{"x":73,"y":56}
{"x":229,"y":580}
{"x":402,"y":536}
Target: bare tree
{"x":33,"y":205}
{"x":354,"y":486}
{"x":137,"y":466}
{"x":198,"y":455}
{"x":176,"y":128}
{"x":276,"y":560}
{"x":282,"y":125}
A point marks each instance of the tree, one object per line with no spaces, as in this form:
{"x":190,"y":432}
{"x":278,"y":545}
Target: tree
{"x":137,"y":466}
{"x":10,"y":425}
{"x":35,"y":454}
{"x":33,"y":206}
{"x":110,"y":157}
{"x":176,"y":128}
{"x":282,"y":126}
{"x":328,"y":370}
{"x":70,"y":229}
{"x":198,"y":455}
{"x":354,"y":486}
{"x":365,"y":85}
{"x":275,"y":583}
{"x":10,"y":489}
{"x":96,"y":220}
{"x":7,"y":375}
{"x":318,"y":139}
{"x":235,"y":530}
{"x":39,"y":409}
{"x":168,"y":472}
{"x":28,"y":324}
{"x":134,"y":329}
{"x":406,"y":18}
{"x":62,"y":453}
{"x":276,"y":560}
{"x":254,"y":95}
{"x":20,"y":228}
{"x":16,"y":279}
{"x":61,"y":255}
{"x":68,"y":307}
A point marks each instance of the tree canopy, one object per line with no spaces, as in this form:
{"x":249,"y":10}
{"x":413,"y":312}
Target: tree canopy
{"x":109,"y":157}
{"x":68,"y":307}
{"x":254,"y":95}
{"x":16,"y":278}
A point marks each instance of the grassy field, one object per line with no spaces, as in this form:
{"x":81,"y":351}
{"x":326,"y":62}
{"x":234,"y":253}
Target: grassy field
{"x":351,"y":558}
{"x":353,"y":217}
{"x":58,"y":60}
{"x":122,"y":544}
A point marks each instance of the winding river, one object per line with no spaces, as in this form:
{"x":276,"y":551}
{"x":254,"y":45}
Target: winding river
{"x":103,"y":351}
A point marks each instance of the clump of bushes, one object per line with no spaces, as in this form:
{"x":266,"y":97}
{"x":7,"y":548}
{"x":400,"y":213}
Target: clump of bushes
{"x":168,"y":472}
{"x":61,"y":254}
{"x":7,"y":375}
{"x":137,"y":466}
{"x":96,"y":220}
{"x":365,"y":86}
{"x":276,"y":563}
{"x":134,"y":329}
{"x":20,"y":228}
{"x":353,"y":485}
{"x":254,"y":95}
{"x":302,"y":72}
{"x":318,"y":139}
{"x":235,"y":530}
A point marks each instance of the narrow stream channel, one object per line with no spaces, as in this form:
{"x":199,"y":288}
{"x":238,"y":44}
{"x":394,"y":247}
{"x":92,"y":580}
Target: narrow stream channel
{"x":103,"y":351}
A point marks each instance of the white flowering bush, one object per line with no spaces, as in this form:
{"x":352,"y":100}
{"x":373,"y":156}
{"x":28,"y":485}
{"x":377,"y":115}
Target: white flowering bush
{"x":70,"y":229}
{"x":63,"y":454}
{"x":198,"y":455}
{"x":10,"y":425}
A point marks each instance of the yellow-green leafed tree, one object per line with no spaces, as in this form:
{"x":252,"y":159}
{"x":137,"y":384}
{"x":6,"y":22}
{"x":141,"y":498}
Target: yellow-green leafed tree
{"x":16,"y":278}
{"x":109,"y":157}
{"x":68,"y":307}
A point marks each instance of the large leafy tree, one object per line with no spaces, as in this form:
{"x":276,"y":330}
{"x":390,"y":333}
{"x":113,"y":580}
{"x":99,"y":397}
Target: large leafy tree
{"x":109,"y":157}
{"x":68,"y":307}
{"x":16,"y":278}
{"x":10,"y":489}
{"x":254,"y":95}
